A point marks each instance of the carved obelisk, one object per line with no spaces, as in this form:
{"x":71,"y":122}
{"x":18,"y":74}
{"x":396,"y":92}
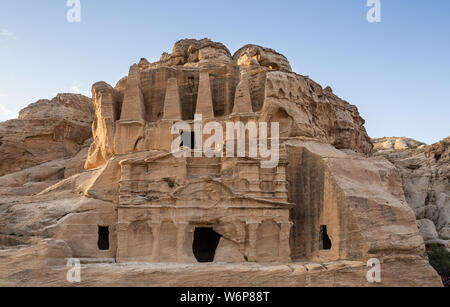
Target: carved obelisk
{"x":172,"y":102}
{"x":204,"y":100}
{"x":243,"y":100}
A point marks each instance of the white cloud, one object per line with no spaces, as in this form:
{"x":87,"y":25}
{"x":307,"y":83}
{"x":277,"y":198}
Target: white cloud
{"x":7,"y":33}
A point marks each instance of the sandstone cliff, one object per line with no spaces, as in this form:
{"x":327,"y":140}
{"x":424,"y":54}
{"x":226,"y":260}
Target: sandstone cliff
{"x":426,"y":181}
{"x":343,"y":205}
{"x":45,"y":131}
{"x":303,"y":106}
{"x":47,"y":143}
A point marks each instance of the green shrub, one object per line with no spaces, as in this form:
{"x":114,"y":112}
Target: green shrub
{"x":170,"y":182}
{"x":440,"y":259}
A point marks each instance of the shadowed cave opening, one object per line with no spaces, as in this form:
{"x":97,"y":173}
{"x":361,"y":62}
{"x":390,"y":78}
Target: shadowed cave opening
{"x":325,"y":241}
{"x":206,"y":241}
{"x":103,"y":238}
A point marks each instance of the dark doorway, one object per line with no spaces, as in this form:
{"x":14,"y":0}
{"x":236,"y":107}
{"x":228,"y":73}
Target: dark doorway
{"x":103,"y":238}
{"x":205,"y":244}
{"x":188,"y":140}
{"x":325,"y":242}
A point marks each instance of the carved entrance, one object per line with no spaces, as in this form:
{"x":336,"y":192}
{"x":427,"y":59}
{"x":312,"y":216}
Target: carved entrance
{"x":205,"y":244}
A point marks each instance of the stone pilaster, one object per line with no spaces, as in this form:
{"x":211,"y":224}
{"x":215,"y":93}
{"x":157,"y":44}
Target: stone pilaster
{"x":252,"y":237}
{"x":181,"y":238}
{"x":156,"y":230}
{"x":122,"y":242}
{"x":240,"y":229}
{"x":284,"y":245}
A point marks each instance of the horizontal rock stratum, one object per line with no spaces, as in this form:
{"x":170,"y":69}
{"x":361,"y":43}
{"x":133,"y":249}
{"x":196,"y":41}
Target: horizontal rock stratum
{"x":138,"y":215}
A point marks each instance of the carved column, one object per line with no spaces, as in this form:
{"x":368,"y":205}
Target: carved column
{"x":156,"y":229}
{"x":122,"y":242}
{"x":240,"y":230}
{"x":181,"y":237}
{"x":125,"y":184}
{"x":284,"y":247}
{"x":252,"y":236}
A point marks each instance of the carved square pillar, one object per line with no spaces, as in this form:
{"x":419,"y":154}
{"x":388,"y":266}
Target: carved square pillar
{"x":284,"y":246}
{"x":182,"y":229}
{"x":252,"y":237}
{"x":240,"y":230}
{"x":156,"y":230}
{"x":122,"y":242}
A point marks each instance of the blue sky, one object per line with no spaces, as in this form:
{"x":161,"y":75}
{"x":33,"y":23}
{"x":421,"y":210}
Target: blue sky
{"x":396,"y":72}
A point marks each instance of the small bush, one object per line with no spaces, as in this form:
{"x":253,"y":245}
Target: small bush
{"x":440,"y":260}
{"x":170,"y":182}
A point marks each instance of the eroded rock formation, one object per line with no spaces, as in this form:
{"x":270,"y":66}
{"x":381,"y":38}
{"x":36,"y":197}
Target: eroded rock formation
{"x":314,"y":218}
{"x":426,"y":181}
{"x":303,"y":106}
{"x":45,"y":131}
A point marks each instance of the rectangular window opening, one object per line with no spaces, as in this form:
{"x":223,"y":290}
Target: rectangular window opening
{"x":103,"y":237}
{"x":325,"y":241}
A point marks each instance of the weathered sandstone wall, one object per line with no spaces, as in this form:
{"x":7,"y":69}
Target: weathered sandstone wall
{"x":305,"y":108}
{"x":45,"y":131}
{"x":344,"y":206}
{"x":425,"y":174}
